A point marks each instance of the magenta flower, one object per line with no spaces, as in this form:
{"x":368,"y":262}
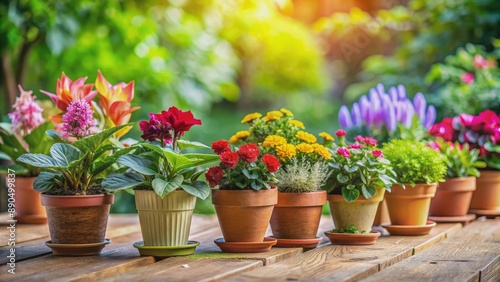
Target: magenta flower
{"x":27,"y":114}
{"x":370,"y":141}
{"x":480,"y":62}
{"x":344,"y":152}
{"x":377,"y":154}
{"x":359,"y":138}
{"x":354,"y":146}
{"x":158,"y":128}
{"x":340,"y":132}
{"x":467,"y":78}
{"x":78,"y":120}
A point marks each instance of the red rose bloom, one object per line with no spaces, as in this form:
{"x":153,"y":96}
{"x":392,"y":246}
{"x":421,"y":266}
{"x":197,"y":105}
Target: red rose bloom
{"x":272,"y":163}
{"x":340,"y":132}
{"x":344,"y":152}
{"x":377,"y":154}
{"x":249,"y":152}
{"x":180,"y":121}
{"x":229,"y":159}
{"x":220,"y":146}
{"x":214,"y":176}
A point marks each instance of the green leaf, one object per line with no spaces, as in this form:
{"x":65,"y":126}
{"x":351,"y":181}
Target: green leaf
{"x":38,"y":160}
{"x":55,"y":135}
{"x":139,"y":164}
{"x":163,"y":187}
{"x":350,"y":195}
{"x":180,"y":162}
{"x":255,"y":185}
{"x":489,"y":146}
{"x":91,"y":142}
{"x":198,"y":189}
{"x":249,"y":175}
{"x":351,"y":169}
{"x":342,"y":178}
{"x":184,"y":144}
{"x":119,"y":181}
{"x":64,"y":154}
{"x":368,"y":192}
{"x":38,"y":141}
{"x":45,"y":181}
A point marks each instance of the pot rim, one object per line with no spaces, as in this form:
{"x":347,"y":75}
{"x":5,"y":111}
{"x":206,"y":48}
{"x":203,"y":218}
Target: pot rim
{"x":77,"y":200}
{"x":268,"y":197}
{"x":306,"y":199}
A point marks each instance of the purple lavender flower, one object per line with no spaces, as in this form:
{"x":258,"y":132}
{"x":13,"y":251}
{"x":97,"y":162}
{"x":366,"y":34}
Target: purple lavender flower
{"x":78,"y":120}
{"x":27,"y":114}
{"x":345,"y":118}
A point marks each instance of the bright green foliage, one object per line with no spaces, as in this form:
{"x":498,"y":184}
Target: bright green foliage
{"x":460,"y":161}
{"x":349,"y":229}
{"x":414,"y":162}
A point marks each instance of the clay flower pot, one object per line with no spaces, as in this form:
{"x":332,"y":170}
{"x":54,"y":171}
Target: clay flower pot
{"x":244,"y":214}
{"x":77,"y":219}
{"x":453,"y":197}
{"x":29,"y":208}
{"x":360,"y":213}
{"x":487,"y":194}
{"x":167,"y":221}
{"x":382,"y":216}
{"x":410,"y":206}
{"x":297,"y":215}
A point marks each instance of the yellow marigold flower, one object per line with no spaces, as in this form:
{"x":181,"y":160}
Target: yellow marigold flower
{"x":273,"y":115}
{"x":286,"y":112}
{"x":305,"y":136}
{"x":322,"y":151}
{"x":238,"y":136}
{"x":273,"y":141}
{"x":251,"y":117}
{"x":327,"y":136}
{"x":305,"y":148}
{"x":297,"y":123}
{"x":233,"y":139}
{"x":286,"y":151}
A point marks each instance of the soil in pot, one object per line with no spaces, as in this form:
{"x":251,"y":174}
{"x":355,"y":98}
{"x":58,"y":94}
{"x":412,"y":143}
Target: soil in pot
{"x":410,"y":206}
{"x":453,"y":197}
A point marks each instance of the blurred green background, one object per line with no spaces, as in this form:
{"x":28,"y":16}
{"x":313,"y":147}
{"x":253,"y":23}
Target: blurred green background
{"x":223,"y":59}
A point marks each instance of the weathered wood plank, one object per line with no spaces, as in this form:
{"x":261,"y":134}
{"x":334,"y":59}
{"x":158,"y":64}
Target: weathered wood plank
{"x":473,"y":254}
{"x":346,"y":263}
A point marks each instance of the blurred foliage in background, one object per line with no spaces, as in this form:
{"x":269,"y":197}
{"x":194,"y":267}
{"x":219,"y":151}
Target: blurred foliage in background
{"x":222,"y":59}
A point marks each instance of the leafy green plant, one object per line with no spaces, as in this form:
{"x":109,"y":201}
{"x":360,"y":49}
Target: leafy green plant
{"x":461,"y":161}
{"x":414,"y":162}
{"x":349,"y":229}
{"x":358,"y":168}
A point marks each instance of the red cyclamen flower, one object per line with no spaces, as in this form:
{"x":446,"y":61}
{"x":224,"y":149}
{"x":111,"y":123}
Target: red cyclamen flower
{"x":340,"y":132}
{"x":214,"y":176}
{"x":272,"y":163}
{"x":229,"y":159}
{"x":220,"y":146}
{"x":377,"y":154}
{"x":249,"y":152}
{"x":344,"y":152}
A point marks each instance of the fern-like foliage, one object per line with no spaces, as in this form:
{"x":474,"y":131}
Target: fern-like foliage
{"x":301,"y":176}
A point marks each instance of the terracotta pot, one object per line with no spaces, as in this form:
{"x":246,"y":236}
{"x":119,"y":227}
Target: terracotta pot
{"x":410,"y":206}
{"x":29,"y":208}
{"x":244,"y":214}
{"x":453,"y":197}
{"x":287,"y":225}
{"x":487,"y":194}
{"x":167,"y":221}
{"x":382,"y":215}
{"x":360,"y":213}
{"x":77,"y":219}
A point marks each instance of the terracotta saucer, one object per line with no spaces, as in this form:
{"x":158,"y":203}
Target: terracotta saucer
{"x":487,"y":213}
{"x":353,"y":239}
{"x":77,"y":249}
{"x":410,"y":230}
{"x":297,"y":243}
{"x":166,"y":251}
{"x":31,"y":219}
{"x":246,"y":247}
{"x":453,"y":219}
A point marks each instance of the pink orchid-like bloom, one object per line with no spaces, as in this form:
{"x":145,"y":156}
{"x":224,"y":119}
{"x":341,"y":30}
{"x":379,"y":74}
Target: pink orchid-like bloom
{"x":27,"y":114}
{"x":467,"y":78}
{"x":480,"y":63}
{"x":115,"y":101}
{"x":78,"y":120}
{"x":68,"y":91}
{"x":344,"y":152}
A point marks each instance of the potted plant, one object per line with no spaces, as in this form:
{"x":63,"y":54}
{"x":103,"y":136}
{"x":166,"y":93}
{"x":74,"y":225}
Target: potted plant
{"x":359,"y":177}
{"x":77,"y":205}
{"x":480,"y":132}
{"x":419,"y":168}
{"x":165,"y":182}
{"x":25,"y":134}
{"x":245,"y":199}
{"x":453,"y":196}
{"x":303,"y":171}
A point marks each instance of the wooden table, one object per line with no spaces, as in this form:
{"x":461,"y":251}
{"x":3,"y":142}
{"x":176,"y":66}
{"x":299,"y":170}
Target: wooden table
{"x":449,"y":253}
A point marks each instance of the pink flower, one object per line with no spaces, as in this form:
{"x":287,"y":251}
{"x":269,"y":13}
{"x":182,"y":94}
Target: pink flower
{"x":354,"y":146}
{"x":377,"y":154}
{"x":157,"y":128}
{"x":340,"y":132}
{"x":467,"y":78}
{"x":359,"y":138}
{"x":480,"y":62}
{"x":370,"y":141}
{"x":78,"y":120}
{"x":434,"y":145}
{"x":444,"y":129}
{"x":344,"y":152}
{"x":27,"y":114}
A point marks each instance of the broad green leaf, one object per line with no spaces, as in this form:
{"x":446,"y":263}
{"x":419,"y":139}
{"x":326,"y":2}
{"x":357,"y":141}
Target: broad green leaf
{"x":45,"y":181}
{"x":55,"y":135}
{"x":38,"y":141}
{"x":350,"y":195}
{"x":255,"y":185}
{"x":351,"y":169}
{"x":64,"y":154}
{"x":38,"y":160}
{"x":163,"y":187}
{"x":368,"y":192}
{"x":249,"y":175}
{"x":198,"y":189}
{"x":91,"y":142}
{"x":139,"y":164}
{"x":184,"y":144}
{"x":180,"y":162}
{"x":342,"y":178}
{"x":118,"y":181}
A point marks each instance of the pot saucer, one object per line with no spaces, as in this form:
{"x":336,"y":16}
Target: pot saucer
{"x":297,"y":243}
{"x":166,"y":251}
{"x":76,"y":250}
{"x":31,"y":219}
{"x":453,"y":219}
{"x":353,"y":239}
{"x":246,"y":247}
{"x":487,"y":213}
{"x":410,"y":230}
